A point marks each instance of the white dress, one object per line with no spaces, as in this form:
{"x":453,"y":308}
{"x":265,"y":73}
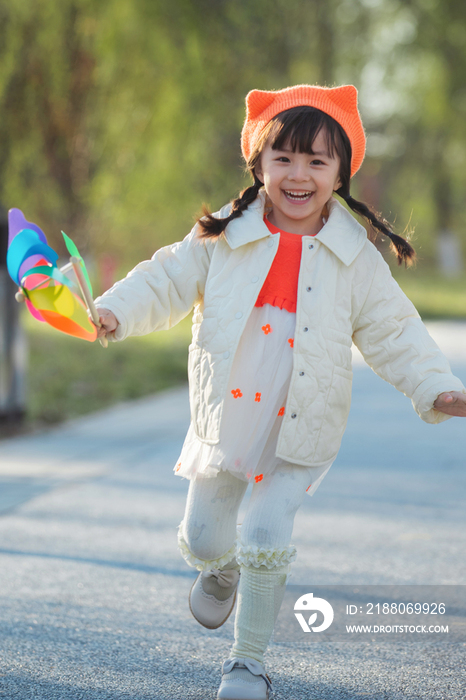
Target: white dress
{"x":254,"y":406}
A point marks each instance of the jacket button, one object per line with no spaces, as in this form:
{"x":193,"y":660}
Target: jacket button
{"x":308,"y":289}
{"x":311,"y":246}
{"x":255,"y":279}
{"x":270,"y":243}
{"x":305,"y":329}
{"x":301,"y":374}
{"x":238,"y":314}
{"x":226,"y":355}
{"x":293,"y":415}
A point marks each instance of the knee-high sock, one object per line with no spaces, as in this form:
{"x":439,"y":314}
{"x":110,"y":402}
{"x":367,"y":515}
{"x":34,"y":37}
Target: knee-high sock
{"x":260,"y":595}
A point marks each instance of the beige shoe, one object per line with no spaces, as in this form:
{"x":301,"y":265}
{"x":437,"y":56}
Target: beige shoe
{"x":213,"y":595}
{"x":244,"y":679}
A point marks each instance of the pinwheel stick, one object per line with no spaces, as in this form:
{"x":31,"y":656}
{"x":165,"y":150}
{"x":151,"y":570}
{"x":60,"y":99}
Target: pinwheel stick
{"x":76,"y":263}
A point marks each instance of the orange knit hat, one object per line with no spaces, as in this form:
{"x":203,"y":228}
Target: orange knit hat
{"x":341,"y":103}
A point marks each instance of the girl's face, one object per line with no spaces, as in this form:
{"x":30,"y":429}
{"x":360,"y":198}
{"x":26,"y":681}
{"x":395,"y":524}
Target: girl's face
{"x":299,"y":184}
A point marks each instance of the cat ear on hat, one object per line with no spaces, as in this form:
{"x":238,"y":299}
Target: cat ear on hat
{"x":257,"y":101}
{"x":346,"y":97}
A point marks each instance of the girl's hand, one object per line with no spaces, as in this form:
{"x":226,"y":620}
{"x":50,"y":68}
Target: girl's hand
{"x":108,"y":321}
{"x":451,"y":402}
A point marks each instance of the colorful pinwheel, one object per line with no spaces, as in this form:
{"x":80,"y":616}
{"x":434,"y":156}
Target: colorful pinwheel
{"x":50,"y":295}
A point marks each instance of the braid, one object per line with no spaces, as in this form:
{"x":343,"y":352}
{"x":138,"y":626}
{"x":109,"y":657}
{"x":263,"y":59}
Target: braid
{"x":403,"y":250}
{"x":211,"y":226}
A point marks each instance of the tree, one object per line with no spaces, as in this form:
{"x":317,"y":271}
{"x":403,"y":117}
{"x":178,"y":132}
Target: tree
{"x":46,"y":93}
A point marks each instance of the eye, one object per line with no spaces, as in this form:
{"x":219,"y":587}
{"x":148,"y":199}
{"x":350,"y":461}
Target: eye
{"x":283,"y":159}
{"x":316,"y":161}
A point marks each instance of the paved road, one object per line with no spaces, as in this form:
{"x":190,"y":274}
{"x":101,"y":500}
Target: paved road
{"x":94,"y":593}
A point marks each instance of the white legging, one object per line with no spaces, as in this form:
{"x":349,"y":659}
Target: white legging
{"x":207,"y":538}
{"x":209,"y":527}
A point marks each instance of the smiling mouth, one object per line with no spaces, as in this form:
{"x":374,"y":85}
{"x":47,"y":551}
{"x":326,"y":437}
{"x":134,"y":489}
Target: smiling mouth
{"x":297,"y":196}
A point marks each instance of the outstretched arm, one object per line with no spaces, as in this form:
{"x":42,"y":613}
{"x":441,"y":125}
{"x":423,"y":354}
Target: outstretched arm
{"x":395,"y":343}
{"x":159,"y":292}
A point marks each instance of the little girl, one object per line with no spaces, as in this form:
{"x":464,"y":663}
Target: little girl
{"x":282,"y":281}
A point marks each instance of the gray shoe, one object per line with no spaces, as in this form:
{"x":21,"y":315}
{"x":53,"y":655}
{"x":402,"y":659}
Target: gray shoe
{"x":244,"y":679}
{"x":213,"y":595}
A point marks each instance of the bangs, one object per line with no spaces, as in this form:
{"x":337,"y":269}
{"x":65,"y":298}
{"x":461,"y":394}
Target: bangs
{"x":298,"y":128}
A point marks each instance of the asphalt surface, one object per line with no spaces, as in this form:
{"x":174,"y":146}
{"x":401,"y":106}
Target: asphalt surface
{"x":94,"y":592}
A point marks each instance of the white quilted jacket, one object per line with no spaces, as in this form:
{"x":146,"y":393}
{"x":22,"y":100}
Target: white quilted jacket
{"x":346,"y":294}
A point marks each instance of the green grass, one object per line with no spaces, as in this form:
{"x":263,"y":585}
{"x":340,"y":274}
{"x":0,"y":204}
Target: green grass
{"x":69,"y":377}
{"x":434,"y":295}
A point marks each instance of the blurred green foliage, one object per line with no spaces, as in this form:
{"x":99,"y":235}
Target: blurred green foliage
{"x":120,"y":118}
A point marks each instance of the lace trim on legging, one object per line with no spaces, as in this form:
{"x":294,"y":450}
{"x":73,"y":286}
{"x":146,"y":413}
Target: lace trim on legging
{"x":254,"y":556}
{"x":203,"y":564}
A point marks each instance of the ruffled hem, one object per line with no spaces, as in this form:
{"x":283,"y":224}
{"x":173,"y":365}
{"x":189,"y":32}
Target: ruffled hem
{"x":204,"y":564}
{"x":252,"y":555}
{"x":203,"y":470}
{"x":286,"y":304}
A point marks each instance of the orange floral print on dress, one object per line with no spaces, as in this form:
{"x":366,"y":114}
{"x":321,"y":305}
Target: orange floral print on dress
{"x":281,"y":411}
{"x":258,"y":478}
{"x":308,"y":487}
{"x":291,"y":342}
{"x":178,"y":466}
{"x":267,"y":329}
{"x":236,"y":393}
{"x":258,"y":396}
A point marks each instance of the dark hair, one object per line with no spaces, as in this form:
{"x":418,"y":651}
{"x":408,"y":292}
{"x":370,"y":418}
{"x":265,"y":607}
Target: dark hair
{"x":299,"y":127}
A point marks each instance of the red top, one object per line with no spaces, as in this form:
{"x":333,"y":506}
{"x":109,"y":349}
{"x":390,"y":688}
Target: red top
{"x":281,"y":285}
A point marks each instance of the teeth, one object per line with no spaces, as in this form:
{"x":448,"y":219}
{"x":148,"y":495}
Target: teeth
{"x":294,"y":195}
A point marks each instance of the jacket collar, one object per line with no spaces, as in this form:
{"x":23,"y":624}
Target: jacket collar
{"x":341,"y":234}
{"x":250,"y":225}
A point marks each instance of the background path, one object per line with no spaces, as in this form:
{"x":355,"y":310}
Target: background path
{"x":94,"y":593}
